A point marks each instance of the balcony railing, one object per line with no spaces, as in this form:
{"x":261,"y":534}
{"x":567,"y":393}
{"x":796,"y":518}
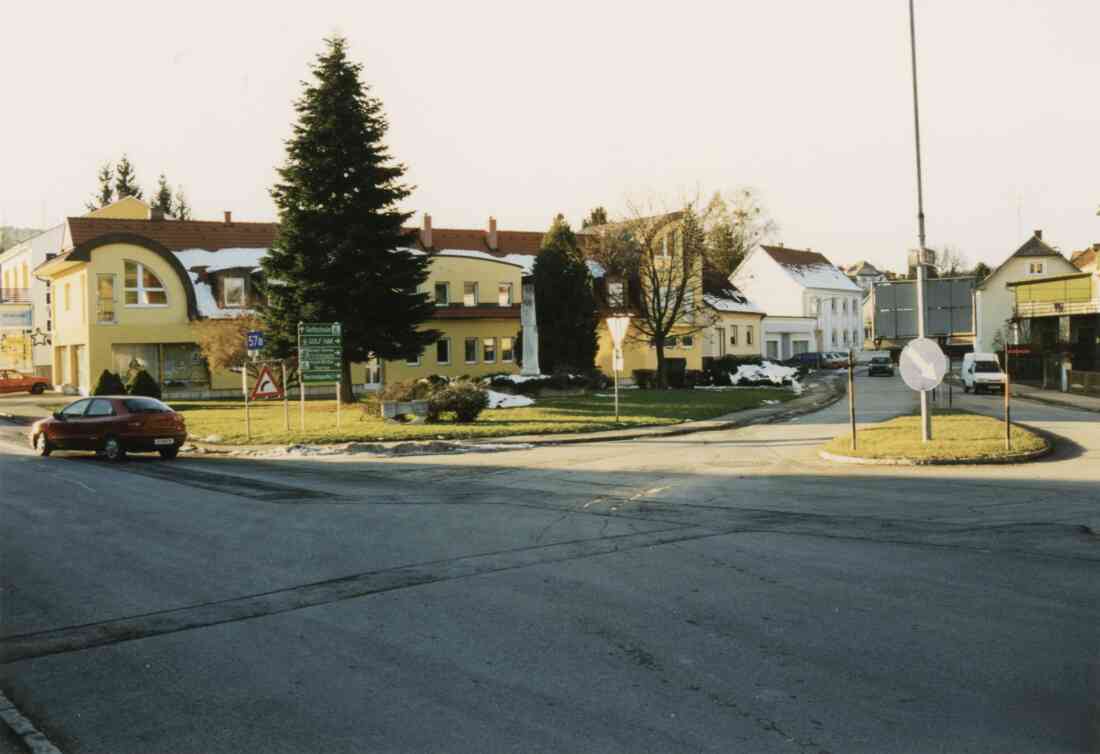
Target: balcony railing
{"x":15,"y":296}
{"x":1056,"y":308}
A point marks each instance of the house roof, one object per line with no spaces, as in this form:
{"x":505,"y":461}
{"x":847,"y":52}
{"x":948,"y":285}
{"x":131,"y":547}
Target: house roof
{"x":508,"y":241}
{"x":176,"y":235}
{"x":863,"y":268}
{"x":1085,"y":257}
{"x":809,"y":268}
{"x":723,"y":296}
{"x":1032,"y":247}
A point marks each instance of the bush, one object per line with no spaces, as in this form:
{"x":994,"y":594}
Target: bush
{"x":144,"y":384}
{"x":696,"y":378}
{"x":109,"y":384}
{"x":465,"y":400}
{"x":718,"y":370}
{"x":646,"y":379}
{"x":410,"y":390}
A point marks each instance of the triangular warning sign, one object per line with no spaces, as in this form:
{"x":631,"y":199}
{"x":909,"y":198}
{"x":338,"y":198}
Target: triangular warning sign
{"x":265,"y":386}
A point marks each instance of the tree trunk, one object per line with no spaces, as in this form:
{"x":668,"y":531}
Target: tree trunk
{"x":346,"y":394}
{"x":662,"y":378}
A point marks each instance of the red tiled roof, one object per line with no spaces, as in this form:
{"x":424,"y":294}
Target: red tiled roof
{"x":176,"y":235}
{"x":508,"y":241}
{"x":795,"y":257}
{"x":1085,"y":257}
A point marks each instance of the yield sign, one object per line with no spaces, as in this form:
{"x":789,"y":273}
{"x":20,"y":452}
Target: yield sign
{"x":265,"y":386}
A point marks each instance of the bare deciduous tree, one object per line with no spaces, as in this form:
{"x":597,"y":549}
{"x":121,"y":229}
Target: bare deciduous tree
{"x":654,"y":265}
{"x":950,"y":262}
{"x":734,"y":225}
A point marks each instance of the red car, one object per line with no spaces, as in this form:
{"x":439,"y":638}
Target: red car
{"x":12,"y":381}
{"x":112,"y":425}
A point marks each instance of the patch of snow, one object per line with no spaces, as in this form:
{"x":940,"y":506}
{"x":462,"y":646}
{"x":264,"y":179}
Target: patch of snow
{"x":730,"y":304}
{"x":519,"y":379}
{"x":223,"y":259}
{"x":766,"y":372}
{"x":504,"y":400}
{"x":208,"y":305}
{"x":596,"y":269}
{"x":820,"y":276}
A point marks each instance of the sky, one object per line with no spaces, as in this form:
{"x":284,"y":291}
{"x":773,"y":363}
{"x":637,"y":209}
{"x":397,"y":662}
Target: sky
{"x":521,"y":110}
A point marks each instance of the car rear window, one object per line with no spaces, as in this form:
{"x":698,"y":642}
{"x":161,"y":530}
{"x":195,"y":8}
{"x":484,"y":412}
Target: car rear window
{"x":986,"y":366}
{"x":880,"y":360}
{"x":145,"y":406}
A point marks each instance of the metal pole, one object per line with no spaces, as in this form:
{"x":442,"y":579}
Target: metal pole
{"x":1008,"y":410}
{"x":302,"y":401}
{"x":338,"y":385}
{"x":286,"y":399}
{"x":244,"y":390}
{"x":925,"y":418}
{"x":616,"y":396}
{"x":852,"y":395}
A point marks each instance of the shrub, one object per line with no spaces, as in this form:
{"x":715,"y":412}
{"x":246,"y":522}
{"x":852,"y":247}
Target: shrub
{"x":410,"y":390}
{"x":718,"y":370}
{"x":645,"y":378}
{"x":695,"y":378}
{"x":144,"y":384}
{"x":465,"y":400}
{"x":109,"y":384}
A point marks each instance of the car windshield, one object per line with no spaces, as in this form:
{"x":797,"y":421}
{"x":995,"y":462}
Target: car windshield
{"x":145,"y":406}
{"x":986,"y":366}
{"x":880,"y":360}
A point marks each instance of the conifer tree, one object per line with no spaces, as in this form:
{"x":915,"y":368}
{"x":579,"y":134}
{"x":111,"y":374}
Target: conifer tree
{"x":126,"y":183}
{"x":340,"y":255}
{"x":596,"y":217}
{"x":181,"y":210}
{"x":106,"y":192}
{"x":564,"y":302}
{"x":162,"y":200}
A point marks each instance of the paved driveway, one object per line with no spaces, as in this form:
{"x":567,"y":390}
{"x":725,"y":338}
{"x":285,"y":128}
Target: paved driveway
{"x":722,"y":592}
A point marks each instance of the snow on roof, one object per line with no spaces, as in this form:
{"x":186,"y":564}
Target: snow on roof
{"x":207,"y":305}
{"x":731,"y":301}
{"x":223,"y":259}
{"x":810,"y":269}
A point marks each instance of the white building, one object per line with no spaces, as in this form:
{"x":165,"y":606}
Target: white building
{"x":811,"y":305}
{"x":994,"y":301}
{"x":25,"y":302}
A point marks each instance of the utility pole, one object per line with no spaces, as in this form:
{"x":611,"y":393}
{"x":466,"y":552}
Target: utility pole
{"x":925,"y":417}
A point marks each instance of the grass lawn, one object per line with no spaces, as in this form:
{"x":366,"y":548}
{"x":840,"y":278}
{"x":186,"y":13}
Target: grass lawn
{"x":956,"y":436}
{"x":587,"y":413}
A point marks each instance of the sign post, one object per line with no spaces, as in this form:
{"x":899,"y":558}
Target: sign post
{"x":286,"y":404}
{"x":852,"y":394}
{"x":244,"y":389}
{"x":923,"y":366}
{"x":320,"y":358}
{"x":617,"y":327}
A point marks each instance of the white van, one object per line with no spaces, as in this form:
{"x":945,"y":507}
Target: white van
{"x":982,"y":371}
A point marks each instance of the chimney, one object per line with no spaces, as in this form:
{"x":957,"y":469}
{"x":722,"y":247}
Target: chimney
{"x":1039,"y":234}
{"x":228,"y":217}
{"x":156,"y":214}
{"x":493,"y":233}
{"x":426,"y":232}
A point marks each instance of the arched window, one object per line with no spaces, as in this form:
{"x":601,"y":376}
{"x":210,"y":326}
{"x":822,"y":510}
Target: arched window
{"x":143,"y":287}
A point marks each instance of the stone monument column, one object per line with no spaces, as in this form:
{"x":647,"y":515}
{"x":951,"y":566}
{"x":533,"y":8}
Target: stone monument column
{"x":530,"y":330}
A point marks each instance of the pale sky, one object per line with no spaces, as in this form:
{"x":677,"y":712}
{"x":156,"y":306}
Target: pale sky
{"x":522,"y":110}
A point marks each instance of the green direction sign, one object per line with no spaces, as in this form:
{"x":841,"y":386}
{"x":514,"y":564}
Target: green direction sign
{"x":320,"y":351}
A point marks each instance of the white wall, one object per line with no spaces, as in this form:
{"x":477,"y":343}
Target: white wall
{"x":765,"y":283}
{"x":995,"y":301}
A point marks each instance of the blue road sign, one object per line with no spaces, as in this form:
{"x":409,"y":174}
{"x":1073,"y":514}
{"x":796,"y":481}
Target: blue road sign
{"x":255,"y":340}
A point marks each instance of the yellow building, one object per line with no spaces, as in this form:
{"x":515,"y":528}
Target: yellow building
{"x":737,"y":321}
{"x":129,"y":286}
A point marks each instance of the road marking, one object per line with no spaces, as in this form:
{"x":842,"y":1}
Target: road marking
{"x":35,"y":740}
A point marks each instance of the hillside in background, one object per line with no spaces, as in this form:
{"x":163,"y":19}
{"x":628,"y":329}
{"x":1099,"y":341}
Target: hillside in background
{"x":10,"y":236}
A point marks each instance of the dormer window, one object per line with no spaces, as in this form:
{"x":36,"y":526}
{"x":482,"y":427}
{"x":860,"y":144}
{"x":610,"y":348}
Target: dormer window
{"x":143,"y":287}
{"x":233,"y":292}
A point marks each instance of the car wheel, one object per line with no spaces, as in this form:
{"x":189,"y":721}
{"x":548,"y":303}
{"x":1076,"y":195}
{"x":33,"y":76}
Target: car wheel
{"x":169,"y":453}
{"x":42,"y":445}
{"x":112,"y":448}
{"x":38,"y":389}
{"x":966,"y":389}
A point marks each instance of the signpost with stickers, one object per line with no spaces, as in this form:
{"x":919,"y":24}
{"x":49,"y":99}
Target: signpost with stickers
{"x":320,"y":359}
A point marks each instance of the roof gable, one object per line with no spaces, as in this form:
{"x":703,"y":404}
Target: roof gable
{"x":1032,"y":247}
{"x":809,"y":268}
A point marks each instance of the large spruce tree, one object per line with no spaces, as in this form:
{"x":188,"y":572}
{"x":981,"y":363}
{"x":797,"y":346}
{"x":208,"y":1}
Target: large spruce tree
{"x":564,"y":302}
{"x":339,"y":253}
{"x":126,"y":183}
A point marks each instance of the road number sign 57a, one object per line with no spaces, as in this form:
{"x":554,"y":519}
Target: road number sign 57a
{"x":255,"y":340}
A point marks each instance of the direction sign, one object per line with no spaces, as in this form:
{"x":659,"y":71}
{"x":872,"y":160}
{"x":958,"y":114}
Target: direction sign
{"x":923,"y":364}
{"x":255,"y":340}
{"x":266,"y":387}
{"x":320,"y":351}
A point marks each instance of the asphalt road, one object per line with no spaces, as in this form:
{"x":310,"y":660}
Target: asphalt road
{"x":727,"y":591}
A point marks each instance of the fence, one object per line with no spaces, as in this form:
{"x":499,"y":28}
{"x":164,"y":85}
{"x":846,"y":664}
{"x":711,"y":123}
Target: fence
{"x":1085,"y":382}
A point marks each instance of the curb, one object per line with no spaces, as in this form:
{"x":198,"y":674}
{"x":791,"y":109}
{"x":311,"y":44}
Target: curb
{"x":1049,"y":402}
{"x":687,"y":428}
{"x":1034,"y":455}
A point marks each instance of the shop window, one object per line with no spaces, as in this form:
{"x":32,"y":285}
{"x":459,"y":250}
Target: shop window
{"x":143,"y":287}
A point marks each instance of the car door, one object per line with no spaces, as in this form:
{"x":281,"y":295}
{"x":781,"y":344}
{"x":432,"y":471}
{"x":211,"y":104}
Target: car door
{"x":66,"y":432}
{"x":7,"y":384}
{"x":98,"y":422}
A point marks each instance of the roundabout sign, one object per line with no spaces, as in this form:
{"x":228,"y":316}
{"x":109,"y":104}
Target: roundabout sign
{"x":923,"y":365}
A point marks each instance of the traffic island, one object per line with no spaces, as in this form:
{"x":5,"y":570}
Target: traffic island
{"x":957,"y":438}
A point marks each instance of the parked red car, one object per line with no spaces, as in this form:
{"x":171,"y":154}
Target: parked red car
{"x":12,"y":381}
{"x":112,"y":425}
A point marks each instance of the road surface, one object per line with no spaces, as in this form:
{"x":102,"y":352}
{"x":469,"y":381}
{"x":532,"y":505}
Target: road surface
{"x":727,"y":591}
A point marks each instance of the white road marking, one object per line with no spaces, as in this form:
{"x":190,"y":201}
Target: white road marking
{"x":35,"y":740}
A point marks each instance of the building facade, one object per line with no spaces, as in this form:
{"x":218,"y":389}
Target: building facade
{"x":811,"y":305}
{"x":25,"y":323}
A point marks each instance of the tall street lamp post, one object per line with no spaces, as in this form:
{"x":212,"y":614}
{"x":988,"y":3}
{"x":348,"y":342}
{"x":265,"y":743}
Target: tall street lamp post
{"x":925,"y":418}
